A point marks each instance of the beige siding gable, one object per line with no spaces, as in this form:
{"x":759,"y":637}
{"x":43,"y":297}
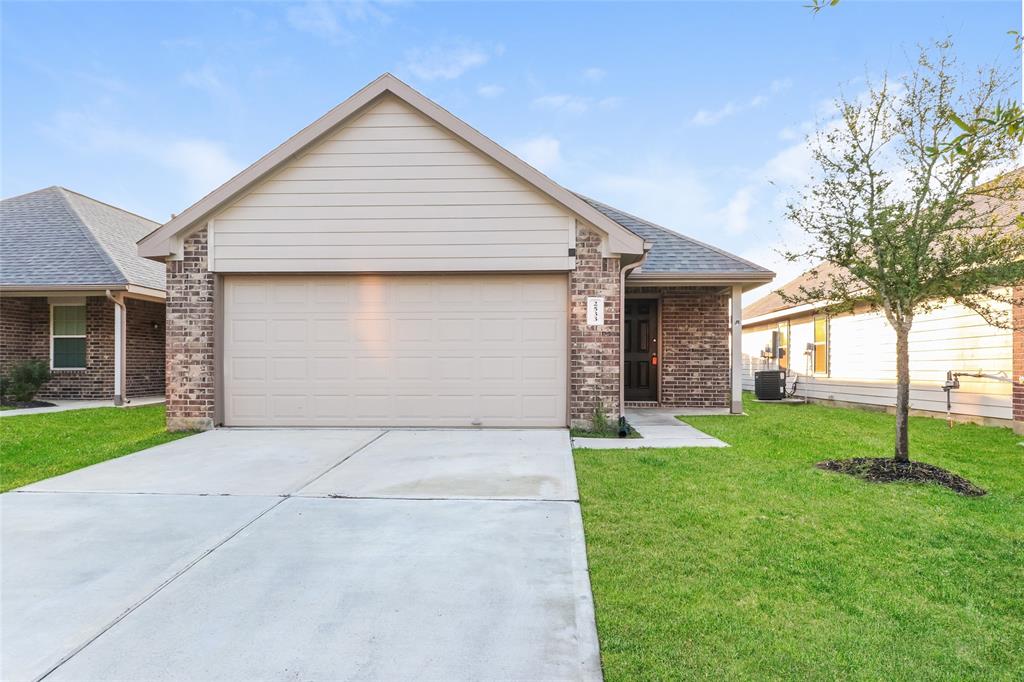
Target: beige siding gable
{"x":392,"y":191}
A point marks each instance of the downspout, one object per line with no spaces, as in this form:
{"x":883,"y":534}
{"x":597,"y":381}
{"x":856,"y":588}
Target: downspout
{"x":622,"y":331}
{"x":120,"y":322}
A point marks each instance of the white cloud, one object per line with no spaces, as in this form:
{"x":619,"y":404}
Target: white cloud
{"x":710,"y":117}
{"x":571,"y":104}
{"x":789,"y":133}
{"x":594,"y":74}
{"x":333,"y":20}
{"x":667,"y":192}
{"x":445,"y":61}
{"x":490,"y":91}
{"x":206,"y":79}
{"x":201,"y":164}
{"x":204,"y":164}
{"x":736,"y":214}
{"x":609,"y":102}
{"x":317,"y":18}
{"x":543,"y":152}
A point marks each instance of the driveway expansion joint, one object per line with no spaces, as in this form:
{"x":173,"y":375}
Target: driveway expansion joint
{"x":416,"y":562}
{"x":159,"y":588}
{"x":340,"y":462}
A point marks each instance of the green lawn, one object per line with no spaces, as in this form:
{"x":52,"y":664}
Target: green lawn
{"x":749,"y":563}
{"x":38,"y":446}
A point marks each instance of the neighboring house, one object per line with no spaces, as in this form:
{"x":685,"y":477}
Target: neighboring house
{"x":850,"y":359}
{"x":75,"y":293}
{"x":389,"y":265}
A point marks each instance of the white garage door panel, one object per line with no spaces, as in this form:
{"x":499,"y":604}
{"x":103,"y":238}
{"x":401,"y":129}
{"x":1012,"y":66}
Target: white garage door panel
{"x":366,"y":350}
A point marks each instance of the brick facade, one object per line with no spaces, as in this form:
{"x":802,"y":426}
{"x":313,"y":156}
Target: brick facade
{"x":191,"y":313}
{"x":144,"y":362}
{"x":1018,"y":362}
{"x":15,"y":331}
{"x":594,"y":365}
{"x":25,"y":335}
{"x":694,"y":344}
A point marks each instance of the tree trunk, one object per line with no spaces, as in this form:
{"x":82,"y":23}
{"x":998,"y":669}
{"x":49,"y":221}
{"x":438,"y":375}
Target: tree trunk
{"x":902,"y":453}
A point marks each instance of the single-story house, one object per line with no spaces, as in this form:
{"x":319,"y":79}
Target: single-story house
{"x":388,"y":265}
{"x":850,"y":358}
{"x":75,"y":293}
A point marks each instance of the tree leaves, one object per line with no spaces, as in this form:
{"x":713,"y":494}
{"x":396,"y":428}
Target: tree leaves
{"x":898,"y":218}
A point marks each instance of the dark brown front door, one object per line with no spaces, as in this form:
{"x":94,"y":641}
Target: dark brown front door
{"x":640,"y":363}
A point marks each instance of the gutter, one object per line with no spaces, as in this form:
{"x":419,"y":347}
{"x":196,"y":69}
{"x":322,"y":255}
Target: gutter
{"x":625,"y":270}
{"x":730,"y":275}
{"x":748,"y":281}
{"x":135,"y":290}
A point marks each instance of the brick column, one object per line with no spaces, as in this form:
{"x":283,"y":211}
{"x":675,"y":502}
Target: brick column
{"x":191,"y":319}
{"x":594,"y":363}
{"x":1018,"y":362}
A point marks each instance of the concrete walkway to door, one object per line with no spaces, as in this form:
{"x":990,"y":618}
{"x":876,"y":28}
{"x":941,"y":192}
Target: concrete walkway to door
{"x":659,"y":428}
{"x":307,"y":554}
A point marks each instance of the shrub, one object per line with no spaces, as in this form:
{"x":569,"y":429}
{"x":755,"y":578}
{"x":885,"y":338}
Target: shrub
{"x":600,"y":424}
{"x":24,"y":380}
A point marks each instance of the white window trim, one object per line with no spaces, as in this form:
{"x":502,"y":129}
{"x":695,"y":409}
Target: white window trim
{"x":67,"y":336}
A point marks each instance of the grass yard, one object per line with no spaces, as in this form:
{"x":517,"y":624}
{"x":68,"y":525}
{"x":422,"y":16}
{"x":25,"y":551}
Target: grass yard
{"x":749,"y":563}
{"x":38,"y":446}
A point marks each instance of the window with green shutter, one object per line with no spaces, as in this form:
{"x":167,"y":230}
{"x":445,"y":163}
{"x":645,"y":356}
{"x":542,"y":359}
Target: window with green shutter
{"x":67,"y":330}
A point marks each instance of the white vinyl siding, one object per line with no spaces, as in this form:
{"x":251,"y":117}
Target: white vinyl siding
{"x":391,"y":191}
{"x":395,"y":350}
{"x":862,"y":361}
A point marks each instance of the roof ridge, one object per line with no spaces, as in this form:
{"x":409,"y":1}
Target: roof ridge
{"x":674,"y":233}
{"x":34,"y":191}
{"x":87,"y":228}
{"x":103,"y":203}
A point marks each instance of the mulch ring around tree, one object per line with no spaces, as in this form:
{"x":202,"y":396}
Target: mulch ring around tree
{"x":15,"y":405}
{"x":887,"y":470}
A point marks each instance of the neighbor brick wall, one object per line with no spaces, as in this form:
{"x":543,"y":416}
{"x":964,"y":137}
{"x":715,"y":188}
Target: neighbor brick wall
{"x":191,"y":312}
{"x":144,"y":361}
{"x":695,"y":363}
{"x":15,"y":331}
{"x":594,"y":351}
{"x":1018,"y":362}
{"x":25,"y":335}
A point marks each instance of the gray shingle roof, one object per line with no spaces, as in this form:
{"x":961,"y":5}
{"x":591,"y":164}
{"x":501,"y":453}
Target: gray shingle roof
{"x":672,"y":252}
{"x":56,"y":237}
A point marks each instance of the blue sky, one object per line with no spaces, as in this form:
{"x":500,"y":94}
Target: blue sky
{"x":690,"y":114}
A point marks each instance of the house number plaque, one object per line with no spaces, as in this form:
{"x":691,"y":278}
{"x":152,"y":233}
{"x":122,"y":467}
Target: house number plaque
{"x":595,"y":310}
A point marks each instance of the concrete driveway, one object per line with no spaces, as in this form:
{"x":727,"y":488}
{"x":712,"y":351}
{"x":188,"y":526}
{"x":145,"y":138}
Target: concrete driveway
{"x":304,"y":554}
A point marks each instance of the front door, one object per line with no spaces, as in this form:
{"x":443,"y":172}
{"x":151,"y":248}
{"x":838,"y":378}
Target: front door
{"x":640,"y":363}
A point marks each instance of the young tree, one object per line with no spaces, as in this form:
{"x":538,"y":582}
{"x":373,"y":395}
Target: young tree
{"x":1006,"y":117}
{"x":903,"y":225}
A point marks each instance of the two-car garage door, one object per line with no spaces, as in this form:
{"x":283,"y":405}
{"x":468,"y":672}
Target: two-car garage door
{"x":402,"y":350}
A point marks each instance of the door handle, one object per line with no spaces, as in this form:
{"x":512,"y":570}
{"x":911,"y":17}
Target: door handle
{"x":654,"y":360}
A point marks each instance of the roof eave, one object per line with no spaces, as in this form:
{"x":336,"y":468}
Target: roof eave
{"x":783,"y":313}
{"x":748,"y":280}
{"x":15,"y":289}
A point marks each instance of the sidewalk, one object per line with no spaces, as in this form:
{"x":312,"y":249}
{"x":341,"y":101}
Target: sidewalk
{"x":659,"y":428}
{"x":65,"y":405}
